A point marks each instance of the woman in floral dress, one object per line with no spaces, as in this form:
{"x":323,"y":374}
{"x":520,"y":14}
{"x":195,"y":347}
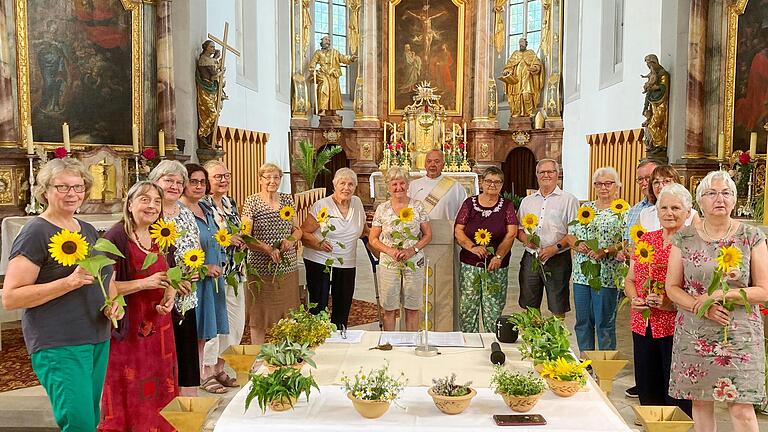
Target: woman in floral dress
{"x":721,"y":356}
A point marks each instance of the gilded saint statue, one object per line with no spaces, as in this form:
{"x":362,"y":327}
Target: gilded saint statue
{"x":524,"y":78}
{"x":656,"y":108}
{"x":326,"y":77}
{"x":208,"y":76}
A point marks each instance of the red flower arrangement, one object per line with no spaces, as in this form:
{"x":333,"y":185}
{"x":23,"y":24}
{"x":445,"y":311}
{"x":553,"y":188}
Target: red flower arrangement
{"x":60,"y":153}
{"x":149,"y":154}
{"x":744,"y":158}
{"x":461,"y":145}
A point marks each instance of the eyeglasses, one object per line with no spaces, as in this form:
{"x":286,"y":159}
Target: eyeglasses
{"x":645,"y":179}
{"x":220,"y":177}
{"x":196,"y":182}
{"x":713,"y":194}
{"x":664,"y":182}
{"x":493,"y":182}
{"x":170,"y":182}
{"x":605,"y":185}
{"x":547,"y":172}
{"x":271,"y":178}
{"x":66,"y":188}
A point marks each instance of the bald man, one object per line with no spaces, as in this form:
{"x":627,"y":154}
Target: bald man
{"x":442,"y":195}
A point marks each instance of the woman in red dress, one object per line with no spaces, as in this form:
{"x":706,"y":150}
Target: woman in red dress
{"x":141,"y":373}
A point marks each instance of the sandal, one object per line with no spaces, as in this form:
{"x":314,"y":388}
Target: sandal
{"x":211,"y":385}
{"x":226,"y":380}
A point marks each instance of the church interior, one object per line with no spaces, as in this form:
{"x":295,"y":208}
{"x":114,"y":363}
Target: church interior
{"x":316,"y":101}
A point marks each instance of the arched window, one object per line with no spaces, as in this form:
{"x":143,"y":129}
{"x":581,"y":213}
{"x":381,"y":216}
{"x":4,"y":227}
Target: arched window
{"x":523,"y":20}
{"x":331,"y":20}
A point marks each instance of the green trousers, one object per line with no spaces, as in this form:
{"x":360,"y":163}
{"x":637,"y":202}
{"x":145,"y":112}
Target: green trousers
{"x":475,"y":295}
{"x":73,"y":376}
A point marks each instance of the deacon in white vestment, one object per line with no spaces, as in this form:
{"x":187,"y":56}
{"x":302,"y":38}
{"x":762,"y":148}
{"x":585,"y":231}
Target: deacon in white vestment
{"x":442,"y":196}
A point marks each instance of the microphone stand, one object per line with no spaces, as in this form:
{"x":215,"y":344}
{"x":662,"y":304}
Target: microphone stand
{"x":424,"y":349}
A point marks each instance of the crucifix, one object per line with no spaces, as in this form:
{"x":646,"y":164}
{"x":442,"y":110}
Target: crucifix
{"x":224,"y":48}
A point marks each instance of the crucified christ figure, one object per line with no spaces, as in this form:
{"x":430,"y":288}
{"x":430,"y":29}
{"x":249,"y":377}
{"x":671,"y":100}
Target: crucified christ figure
{"x":427,"y":34}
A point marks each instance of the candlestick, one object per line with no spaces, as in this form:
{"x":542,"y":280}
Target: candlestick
{"x":385,"y":131}
{"x":135,"y":138}
{"x":405,"y":126}
{"x":753,"y":144}
{"x":465,"y":134}
{"x":721,"y":146}
{"x":30,"y":141}
{"x":161,"y":143}
{"x":65,"y":132}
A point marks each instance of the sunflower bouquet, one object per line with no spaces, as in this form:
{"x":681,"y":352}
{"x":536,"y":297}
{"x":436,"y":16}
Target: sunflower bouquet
{"x":729,"y":267}
{"x":483,"y":238}
{"x":224,"y":238}
{"x":164,"y":235}
{"x":530,"y":224}
{"x":403,"y":234}
{"x":70,"y":248}
{"x":326,"y":227}
{"x":278,"y":269}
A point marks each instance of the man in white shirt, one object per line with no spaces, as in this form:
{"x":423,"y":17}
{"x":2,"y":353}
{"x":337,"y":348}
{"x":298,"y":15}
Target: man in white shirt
{"x":442,"y":195}
{"x":554,"y":209}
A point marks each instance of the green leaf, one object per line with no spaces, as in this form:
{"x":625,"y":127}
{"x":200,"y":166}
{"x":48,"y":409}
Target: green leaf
{"x":239,"y":256}
{"x":341,"y":245}
{"x":331,"y":227}
{"x":341,"y":260}
{"x":595,"y":284}
{"x":104,"y":245}
{"x":592,"y":244}
{"x":715,"y":284}
{"x":95,"y":263}
{"x":704,"y":308}
{"x":410,"y":265}
{"x":150,"y":259}
{"x":745,"y":299}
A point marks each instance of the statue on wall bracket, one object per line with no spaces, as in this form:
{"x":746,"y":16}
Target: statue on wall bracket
{"x":523,"y":76}
{"x":656,"y":109}
{"x":325,"y":67}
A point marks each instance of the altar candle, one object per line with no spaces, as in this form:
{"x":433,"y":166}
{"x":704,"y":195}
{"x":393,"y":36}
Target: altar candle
{"x":65,"y":132}
{"x":405,"y":127}
{"x":135,"y":138}
{"x":721,"y":147}
{"x":385,"y":131}
{"x":161,"y":143}
{"x":30,"y":141}
{"x":465,"y":134}
{"x":753,"y":144}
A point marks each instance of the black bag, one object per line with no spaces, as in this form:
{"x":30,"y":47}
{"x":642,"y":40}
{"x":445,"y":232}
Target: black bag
{"x":505,"y":330}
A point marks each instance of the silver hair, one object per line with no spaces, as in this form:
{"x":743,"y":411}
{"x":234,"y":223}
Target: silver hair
{"x":706,"y":183}
{"x":678,"y":191}
{"x":54,"y":168}
{"x":345,"y":173}
{"x":168,"y":167}
{"x":545,"y":161}
{"x":607,"y":171}
{"x":396,"y":172}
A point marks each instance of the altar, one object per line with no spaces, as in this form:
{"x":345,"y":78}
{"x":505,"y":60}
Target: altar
{"x":469,"y":180}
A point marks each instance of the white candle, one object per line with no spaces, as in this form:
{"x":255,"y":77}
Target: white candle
{"x":405,"y":127}
{"x":385,"y":131}
{"x":65,"y":132}
{"x":465,"y":134}
{"x":753,"y":144}
{"x":135,"y":138}
{"x":721,"y":146}
{"x":30,"y":141}
{"x":161,"y":143}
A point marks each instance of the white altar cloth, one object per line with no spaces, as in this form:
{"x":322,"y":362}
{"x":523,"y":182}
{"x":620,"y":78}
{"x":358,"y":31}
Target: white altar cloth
{"x":330,"y":410}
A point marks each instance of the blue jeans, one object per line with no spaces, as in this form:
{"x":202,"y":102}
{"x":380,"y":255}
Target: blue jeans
{"x":595,"y":312}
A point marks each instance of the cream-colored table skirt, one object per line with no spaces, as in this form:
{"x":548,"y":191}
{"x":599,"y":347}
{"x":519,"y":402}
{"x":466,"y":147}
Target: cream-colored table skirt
{"x":330,"y":410}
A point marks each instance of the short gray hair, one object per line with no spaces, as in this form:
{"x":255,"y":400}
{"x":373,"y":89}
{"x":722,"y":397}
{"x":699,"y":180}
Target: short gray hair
{"x":396,"y":172}
{"x":706,"y":183}
{"x":678,"y":191}
{"x":546,"y":161}
{"x":345,"y":173}
{"x":168,"y":167}
{"x":54,"y":168}
{"x":214,"y":163}
{"x":607,"y":171}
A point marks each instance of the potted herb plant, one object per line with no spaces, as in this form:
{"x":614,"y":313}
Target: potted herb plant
{"x":564,"y":375}
{"x":541,"y":338}
{"x":279,"y":390}
{"x":285,"y":354}
{"x":520,"y":392}
{"x":303,"y":327}
{"x":372,"y":393}
{"x":449,"y":397}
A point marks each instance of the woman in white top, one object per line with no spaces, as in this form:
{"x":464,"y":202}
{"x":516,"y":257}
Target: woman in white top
{"x":330,"y":238}
{"x":662,"y":175}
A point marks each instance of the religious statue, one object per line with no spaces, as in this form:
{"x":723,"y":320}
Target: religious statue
{"x":524,"y":78}
{"x":104,"y":187}
{"x":208,"y":76}
{"x":326,"y":77}
{"x":656,"y":109}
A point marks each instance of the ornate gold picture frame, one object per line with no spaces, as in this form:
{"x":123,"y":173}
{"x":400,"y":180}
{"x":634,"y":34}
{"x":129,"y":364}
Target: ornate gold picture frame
{"x":426,"y":43}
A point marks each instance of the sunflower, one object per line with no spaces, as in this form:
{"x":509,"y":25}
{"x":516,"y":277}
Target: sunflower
{"x":636,"y":232}
{"x":67,"y":248}
{"x":223,"y":238}
{"x":728,"y":258}
{"x":322,"y":215}
{"x":619,"y":206}
{"x":406,"y":214}
{"x":194,"y":258}
{"x":644,"y":252}
{"x":286,"y":213}
{"x":482,"y":237}
{"x":530,"y":221}
{"x":163,"y":234}
{"x":585,"y":215}
{"x":245,"y":227}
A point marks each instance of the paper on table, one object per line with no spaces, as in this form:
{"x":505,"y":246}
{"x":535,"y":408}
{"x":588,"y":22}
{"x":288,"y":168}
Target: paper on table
{"x":352,"y":337}
{"x":442,"y":339}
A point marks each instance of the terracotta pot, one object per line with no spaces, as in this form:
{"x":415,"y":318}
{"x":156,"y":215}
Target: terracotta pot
{"x":563,"y":388}
{"x":369,"y":408}
{"x":452,"y":404}
{"x":521,"y":403}
{"x":282,"y":404}
{"x":271,"y":368}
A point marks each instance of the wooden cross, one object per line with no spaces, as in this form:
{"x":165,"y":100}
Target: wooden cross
{"x":225,"y":47}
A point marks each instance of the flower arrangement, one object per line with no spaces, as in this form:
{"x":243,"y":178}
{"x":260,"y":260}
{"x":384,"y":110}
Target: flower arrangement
{"x":565,"y":369}
{"x":729,"y":266}
{"x":505,"y":381}
{"x":303,"y":327}
{"x":147,"y":160}
{"x":447,"y":386}
{"x":71,"y":248}
{"x":542,"y":339}
{"x":483,"y":238}
{"x":284,"y":386}
{"x":60,"y":152}
{"x":326,"y":227}
{"x":449,"y":397}
{"x":376,"y":385}
{"x":286,"y":353}
{"x":530,"y":224}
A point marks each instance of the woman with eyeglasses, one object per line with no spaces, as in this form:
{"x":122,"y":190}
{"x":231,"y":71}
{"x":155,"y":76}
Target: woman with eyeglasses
{"x":225,"y":214}
{"x":721,"y":356}
{"x":65,"y":330}
{"x":270,"y":296}
{"x":484,"y":220}
{"x":663,"y":175}
{"x":596,"y":307}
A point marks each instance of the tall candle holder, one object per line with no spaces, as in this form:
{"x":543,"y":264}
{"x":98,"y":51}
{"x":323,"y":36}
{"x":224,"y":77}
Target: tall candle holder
{"x":136,"y":157}
{"x":32,"y":206}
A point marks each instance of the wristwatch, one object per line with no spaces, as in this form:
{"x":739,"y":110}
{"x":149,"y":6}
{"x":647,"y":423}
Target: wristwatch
{"x":415,"y":249}
{"x":559,"y":246}
{"x":499,"y":257}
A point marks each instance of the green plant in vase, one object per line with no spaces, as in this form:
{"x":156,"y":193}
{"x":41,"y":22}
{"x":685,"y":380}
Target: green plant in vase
{"x":450,"y":397}
{"x":280,"y":389}
{"x":286,"y":353}
{"x":520,"y":392}
{"x":541,"y":339}
{"x":303,"y":327}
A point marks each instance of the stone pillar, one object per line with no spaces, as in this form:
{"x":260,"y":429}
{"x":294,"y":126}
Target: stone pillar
{"x":369,"y":62}
{"x":483,"y":72}
{"x":166,"y":98}
{"x":697,"y":44}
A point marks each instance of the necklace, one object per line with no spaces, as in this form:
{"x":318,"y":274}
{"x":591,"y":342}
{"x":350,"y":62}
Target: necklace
{"x":141,"y":245}
{"x":170,"y":214}
{"x":727,"y":232}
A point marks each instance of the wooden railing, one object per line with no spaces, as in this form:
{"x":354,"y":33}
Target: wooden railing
{"x":305,"y":200}
{"x":245,"y":153}
{"x":621,"y":150}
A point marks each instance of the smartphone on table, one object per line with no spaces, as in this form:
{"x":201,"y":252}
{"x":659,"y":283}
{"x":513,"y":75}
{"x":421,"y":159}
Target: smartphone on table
{"x":519,"y":419}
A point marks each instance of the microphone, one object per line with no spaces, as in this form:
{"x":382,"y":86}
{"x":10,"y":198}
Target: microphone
{"x":497,"y":355}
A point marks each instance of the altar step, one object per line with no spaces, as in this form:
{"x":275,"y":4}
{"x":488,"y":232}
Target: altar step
{"x":26,"y":410}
